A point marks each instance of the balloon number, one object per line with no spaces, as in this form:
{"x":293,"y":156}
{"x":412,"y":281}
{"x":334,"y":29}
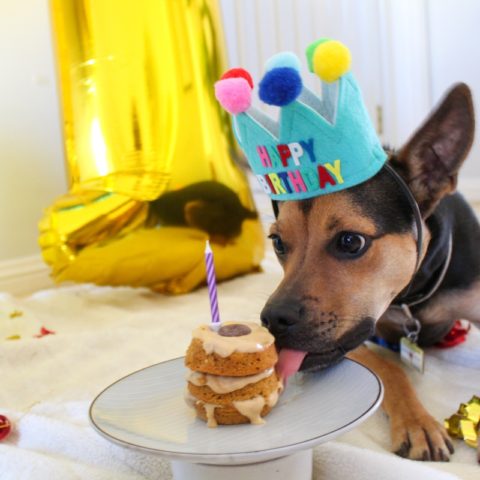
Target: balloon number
{"x":149,"y":152}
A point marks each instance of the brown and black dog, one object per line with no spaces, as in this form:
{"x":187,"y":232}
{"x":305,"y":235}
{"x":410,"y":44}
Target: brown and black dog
{"x":347,"y":256}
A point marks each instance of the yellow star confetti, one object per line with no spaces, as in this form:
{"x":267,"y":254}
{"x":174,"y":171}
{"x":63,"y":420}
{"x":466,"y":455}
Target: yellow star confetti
{"x":13,"y":337}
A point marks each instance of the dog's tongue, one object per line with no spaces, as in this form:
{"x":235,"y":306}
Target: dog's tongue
{"x":289,"y":362}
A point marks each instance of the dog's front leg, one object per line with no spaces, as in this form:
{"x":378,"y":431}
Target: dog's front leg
{"x":415,"y":433}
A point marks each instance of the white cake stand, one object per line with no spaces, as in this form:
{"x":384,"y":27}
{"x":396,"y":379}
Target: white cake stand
{"x":146,"y":411}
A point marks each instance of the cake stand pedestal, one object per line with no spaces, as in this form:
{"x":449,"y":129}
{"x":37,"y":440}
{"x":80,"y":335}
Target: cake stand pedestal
{"x":297,"y":466}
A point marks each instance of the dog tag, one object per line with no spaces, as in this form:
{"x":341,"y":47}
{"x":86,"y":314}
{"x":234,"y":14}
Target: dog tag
{"x":411,"y":354}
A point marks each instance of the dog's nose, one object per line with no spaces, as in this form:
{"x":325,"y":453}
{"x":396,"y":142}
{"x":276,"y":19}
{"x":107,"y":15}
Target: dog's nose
{"x":279,"y":318}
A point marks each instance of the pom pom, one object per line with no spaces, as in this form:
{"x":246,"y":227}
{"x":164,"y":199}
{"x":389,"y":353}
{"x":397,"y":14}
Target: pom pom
{"x":280,"y":86}
{"x":331,"y":60}
{"x":311,"y":50}
{"x":283,"y":59}
{"x":234,"y":94}
{"x":238,"y":73}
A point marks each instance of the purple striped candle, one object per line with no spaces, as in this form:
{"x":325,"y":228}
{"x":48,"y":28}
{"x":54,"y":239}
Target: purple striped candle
{"x":212,"y":284}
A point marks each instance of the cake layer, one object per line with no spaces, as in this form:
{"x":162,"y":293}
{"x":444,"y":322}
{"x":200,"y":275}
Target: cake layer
{"x":238,"y":364}
{"x":265,"y":387}
{"x":230,"y":337}
{"x":221,"y":384}
{"x":252,"y":409}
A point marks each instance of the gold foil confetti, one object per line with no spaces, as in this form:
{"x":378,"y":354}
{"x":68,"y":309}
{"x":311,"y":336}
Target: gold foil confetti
{"x":13,"y":337}
{"x":15,"y":314}
{"x":465,"y":423}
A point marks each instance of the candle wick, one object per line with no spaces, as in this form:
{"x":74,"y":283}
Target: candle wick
{"x":208,"y":249}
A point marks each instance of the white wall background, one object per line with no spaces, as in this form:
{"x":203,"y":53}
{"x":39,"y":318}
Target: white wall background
{"x":405,"y":54}
{"x":256,"y":30}
{"x":32,"y":170}
{"x":454,"y":32}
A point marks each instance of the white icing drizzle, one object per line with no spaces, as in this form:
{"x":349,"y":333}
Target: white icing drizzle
{"x":256,"y":341}
{"x":251,"y":409}
{"x":272,"y":399}
{"x":222,"y":385}
{"x":210,"y":411}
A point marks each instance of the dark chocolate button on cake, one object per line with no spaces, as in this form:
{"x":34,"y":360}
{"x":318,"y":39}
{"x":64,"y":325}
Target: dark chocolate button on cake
{"x":234,"y":330}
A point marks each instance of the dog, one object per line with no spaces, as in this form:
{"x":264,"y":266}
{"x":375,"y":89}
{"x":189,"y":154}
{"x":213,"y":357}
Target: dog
{"x":348,"y":258}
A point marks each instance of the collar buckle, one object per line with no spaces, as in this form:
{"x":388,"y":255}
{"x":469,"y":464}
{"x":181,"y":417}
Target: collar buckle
{"x":412,"y":325}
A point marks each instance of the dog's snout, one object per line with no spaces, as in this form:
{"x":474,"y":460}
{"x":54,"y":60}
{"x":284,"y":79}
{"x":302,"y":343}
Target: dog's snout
{"x":279,"y":318}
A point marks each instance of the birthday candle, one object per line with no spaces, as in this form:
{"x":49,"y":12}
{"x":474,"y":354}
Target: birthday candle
{"x":212,"y":284}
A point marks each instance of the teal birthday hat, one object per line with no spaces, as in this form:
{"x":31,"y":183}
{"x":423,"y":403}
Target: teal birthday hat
{"x":319,"y":145}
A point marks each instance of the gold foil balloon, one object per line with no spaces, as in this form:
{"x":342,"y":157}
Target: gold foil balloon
{"x":150,"y":154}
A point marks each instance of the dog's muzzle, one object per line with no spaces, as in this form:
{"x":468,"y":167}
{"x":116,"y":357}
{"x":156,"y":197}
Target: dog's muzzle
{"x":296,"y":327}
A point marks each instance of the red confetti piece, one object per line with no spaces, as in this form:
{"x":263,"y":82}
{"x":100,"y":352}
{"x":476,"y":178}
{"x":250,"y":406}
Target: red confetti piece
{"x":457,"y":335}
{"x":5,"y":427}
{"x":43,"y":332}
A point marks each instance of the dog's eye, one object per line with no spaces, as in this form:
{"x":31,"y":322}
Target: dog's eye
{"x":351,"y":245}
{"x":278,"y":245}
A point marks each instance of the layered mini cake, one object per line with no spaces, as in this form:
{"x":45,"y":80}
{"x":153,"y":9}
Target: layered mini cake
{"x":232,"y":377}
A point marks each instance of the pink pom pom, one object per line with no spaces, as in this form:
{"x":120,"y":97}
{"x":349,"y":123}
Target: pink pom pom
{"x":234,"y":94}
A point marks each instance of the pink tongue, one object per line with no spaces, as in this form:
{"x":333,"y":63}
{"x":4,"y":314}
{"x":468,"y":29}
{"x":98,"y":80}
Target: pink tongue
{"x":289,"y":362}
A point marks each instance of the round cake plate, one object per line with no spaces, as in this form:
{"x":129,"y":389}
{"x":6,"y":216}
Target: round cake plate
{"x":146,"y":410}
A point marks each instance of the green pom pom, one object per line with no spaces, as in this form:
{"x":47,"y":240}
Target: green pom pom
{"x":311,"y":50}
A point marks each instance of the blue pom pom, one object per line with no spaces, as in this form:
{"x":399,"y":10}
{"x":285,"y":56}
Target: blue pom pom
{"x":280,"y":86}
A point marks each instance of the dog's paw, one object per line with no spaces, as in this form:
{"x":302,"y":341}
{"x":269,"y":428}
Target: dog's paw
{"x":420,"y":438}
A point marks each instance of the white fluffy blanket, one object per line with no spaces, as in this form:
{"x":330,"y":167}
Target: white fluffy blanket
{"x":102,"y":334}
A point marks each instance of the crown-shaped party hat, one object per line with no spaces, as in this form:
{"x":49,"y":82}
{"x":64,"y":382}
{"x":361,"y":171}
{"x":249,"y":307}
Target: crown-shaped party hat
{"x":319,"y":145}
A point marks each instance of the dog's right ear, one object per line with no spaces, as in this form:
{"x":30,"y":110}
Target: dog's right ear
{"x":431,"y":159}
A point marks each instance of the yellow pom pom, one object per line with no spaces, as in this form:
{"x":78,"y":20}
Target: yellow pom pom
{"x":331,"y":60}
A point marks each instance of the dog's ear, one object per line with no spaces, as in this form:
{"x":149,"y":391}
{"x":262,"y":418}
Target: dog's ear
{"x":432,"y":157}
